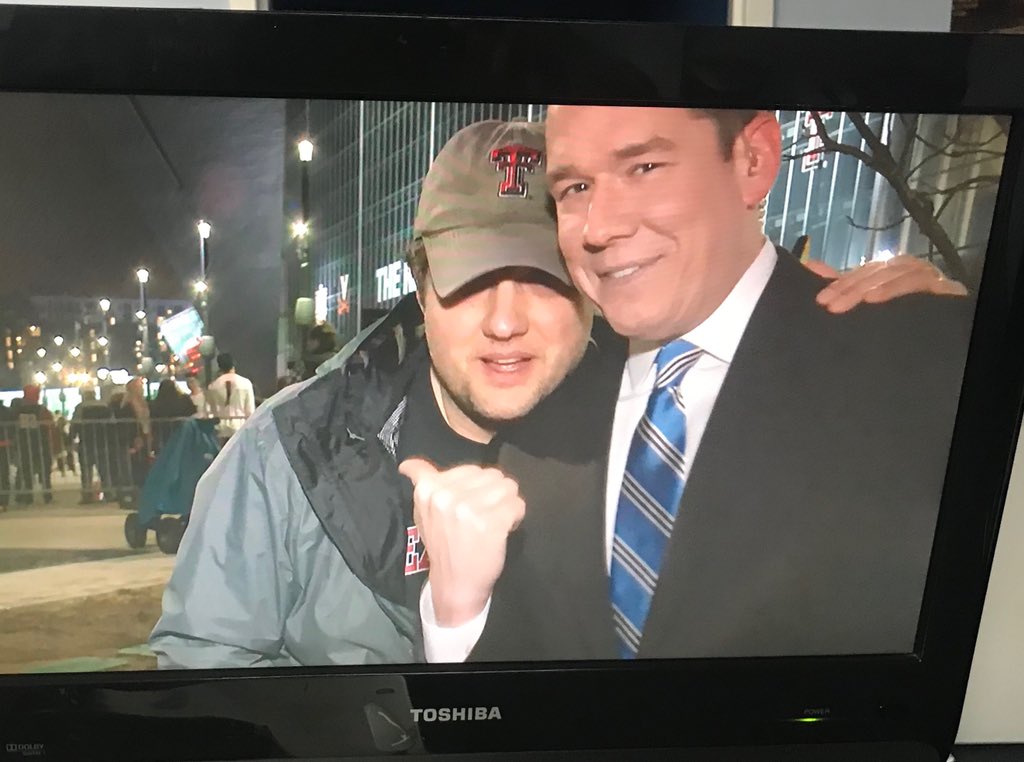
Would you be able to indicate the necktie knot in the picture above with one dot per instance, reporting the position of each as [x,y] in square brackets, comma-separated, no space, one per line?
[673,360]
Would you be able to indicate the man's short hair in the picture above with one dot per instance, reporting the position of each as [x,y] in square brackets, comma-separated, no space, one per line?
[729,123]
[416,258]
[225,362]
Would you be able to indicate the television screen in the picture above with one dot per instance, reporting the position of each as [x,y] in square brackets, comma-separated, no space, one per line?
[808,432]
[564,385]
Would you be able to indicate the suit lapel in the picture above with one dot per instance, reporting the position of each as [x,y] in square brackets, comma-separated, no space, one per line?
[753,367]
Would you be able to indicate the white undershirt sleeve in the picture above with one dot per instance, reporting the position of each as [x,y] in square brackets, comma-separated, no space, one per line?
[448,644]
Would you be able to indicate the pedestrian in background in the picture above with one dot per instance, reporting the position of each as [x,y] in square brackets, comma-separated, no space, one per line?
[37,441]
[92,425]
[65,455]
[133,436]
[231,397]
[198,397]
[6,447]
[167,411]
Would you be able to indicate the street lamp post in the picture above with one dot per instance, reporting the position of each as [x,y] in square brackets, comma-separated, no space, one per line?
[201,289]
[142,274]
[205,229]
[104,341]
[301,229]
[143,277]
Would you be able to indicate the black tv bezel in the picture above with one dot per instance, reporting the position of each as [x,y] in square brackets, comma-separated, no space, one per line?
[906,697]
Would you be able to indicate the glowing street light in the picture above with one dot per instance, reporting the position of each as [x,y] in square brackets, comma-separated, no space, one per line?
[103,341]
[143,275]
[39,377]
[300,228]
[102,373]
[140,314]
[204,228]
[75,352]
[305,150]
[58,340]
[41,352]
[56,367]
[200,287]
[104,305]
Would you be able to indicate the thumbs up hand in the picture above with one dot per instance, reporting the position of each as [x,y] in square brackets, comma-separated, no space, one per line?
[465,515]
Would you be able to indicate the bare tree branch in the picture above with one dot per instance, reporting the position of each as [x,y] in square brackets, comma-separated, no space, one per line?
[833,145]
[920,208]
[953,140]
[909,136]
[787,156]
[942,207]
[815,152]
[881,158]
[890,226]
[924,202]
[952,155]
[971,182]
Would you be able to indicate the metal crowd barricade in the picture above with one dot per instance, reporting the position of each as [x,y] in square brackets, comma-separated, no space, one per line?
[105,458]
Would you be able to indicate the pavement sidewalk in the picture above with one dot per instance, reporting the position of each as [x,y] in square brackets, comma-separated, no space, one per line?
[81,580]
[65,551]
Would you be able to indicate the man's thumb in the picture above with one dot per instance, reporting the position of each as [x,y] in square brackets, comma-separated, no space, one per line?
[417,469]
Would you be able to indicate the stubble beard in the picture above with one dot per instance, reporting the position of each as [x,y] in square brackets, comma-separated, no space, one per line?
[461,394]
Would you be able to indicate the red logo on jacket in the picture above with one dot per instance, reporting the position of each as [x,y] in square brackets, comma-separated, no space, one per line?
[416,559]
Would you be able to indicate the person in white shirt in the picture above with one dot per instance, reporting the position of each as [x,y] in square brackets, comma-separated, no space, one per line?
[804,528]
[230,397]
[198,397]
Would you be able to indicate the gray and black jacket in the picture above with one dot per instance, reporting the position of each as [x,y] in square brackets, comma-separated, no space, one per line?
[296,545]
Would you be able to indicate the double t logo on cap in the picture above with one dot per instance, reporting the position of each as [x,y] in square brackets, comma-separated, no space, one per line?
[515,161]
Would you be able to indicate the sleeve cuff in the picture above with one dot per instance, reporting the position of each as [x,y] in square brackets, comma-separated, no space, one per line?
[448,644]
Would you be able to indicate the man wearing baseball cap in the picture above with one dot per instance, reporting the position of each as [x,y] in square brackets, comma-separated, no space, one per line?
[301,547]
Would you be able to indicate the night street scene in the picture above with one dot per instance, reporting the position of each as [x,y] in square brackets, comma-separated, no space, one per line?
[167,264]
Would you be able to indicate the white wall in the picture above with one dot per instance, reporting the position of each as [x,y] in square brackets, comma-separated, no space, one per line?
[994,709]
[904,15]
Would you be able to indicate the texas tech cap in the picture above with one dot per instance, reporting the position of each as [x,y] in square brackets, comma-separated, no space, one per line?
[485,206]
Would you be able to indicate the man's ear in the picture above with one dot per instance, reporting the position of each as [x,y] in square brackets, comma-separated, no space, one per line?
[757,156]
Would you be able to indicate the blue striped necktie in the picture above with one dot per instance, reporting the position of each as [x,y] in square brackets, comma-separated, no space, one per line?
[652,486]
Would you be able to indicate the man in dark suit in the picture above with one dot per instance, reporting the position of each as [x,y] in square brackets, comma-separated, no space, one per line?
[749,475]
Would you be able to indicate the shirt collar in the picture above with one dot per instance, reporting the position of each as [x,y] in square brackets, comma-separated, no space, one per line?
[721,331]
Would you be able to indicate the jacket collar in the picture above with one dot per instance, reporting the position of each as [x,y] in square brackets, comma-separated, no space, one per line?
[339,435]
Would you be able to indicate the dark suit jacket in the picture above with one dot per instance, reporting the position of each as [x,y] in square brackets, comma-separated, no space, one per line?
[808,516]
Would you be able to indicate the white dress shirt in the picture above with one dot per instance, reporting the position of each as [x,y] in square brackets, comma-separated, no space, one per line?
[233,412]
[718,336]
